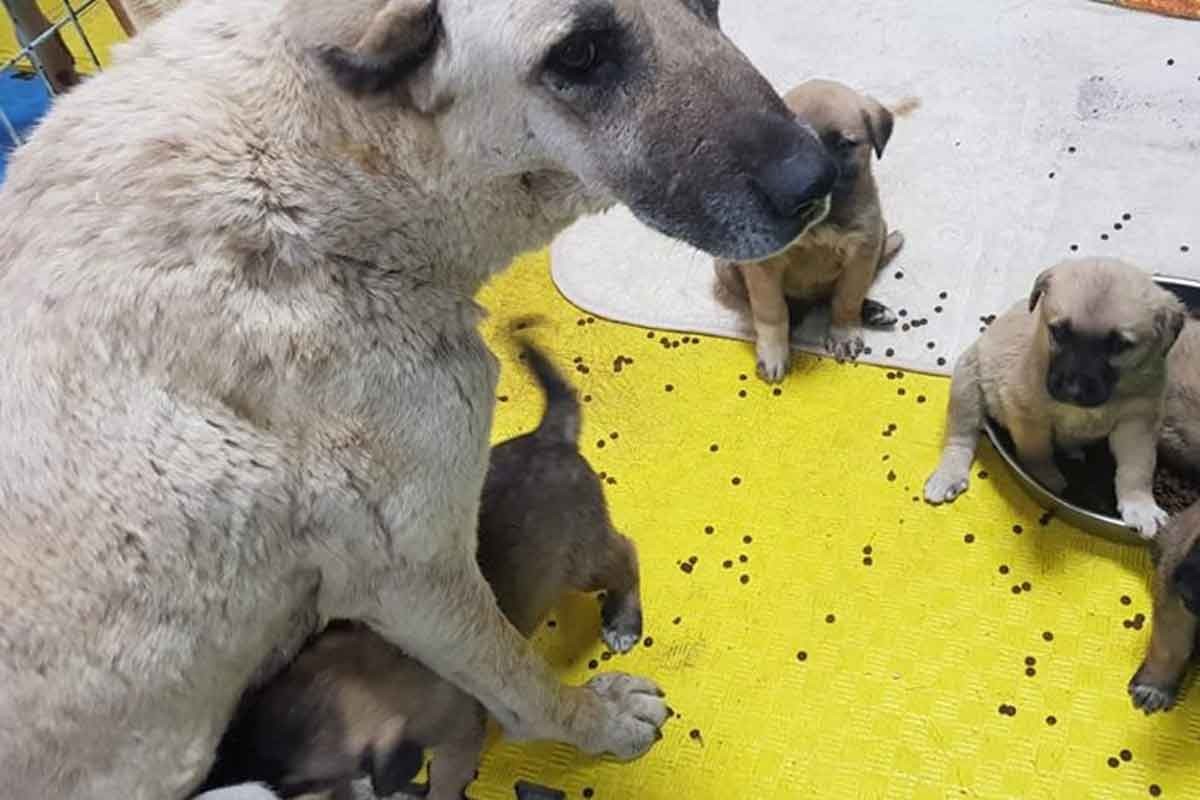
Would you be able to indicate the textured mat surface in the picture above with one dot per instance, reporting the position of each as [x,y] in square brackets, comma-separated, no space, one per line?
[819,632]
[1046,129]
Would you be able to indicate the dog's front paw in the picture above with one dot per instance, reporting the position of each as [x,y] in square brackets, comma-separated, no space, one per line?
[844,343]
[1143,515]
[945,485]
[622,626]
[627,715]
[773,358]
[1150,698]
[877,315]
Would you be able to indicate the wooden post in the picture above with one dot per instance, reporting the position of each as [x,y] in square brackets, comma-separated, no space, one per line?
[52,53]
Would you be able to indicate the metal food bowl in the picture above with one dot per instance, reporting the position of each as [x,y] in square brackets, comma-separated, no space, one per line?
[1088,519]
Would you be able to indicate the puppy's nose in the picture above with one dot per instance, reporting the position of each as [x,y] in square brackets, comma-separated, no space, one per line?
[1085,390]
[791,184]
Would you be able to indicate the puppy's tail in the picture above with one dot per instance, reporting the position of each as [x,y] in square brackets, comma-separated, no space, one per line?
[902,108]
[561,422]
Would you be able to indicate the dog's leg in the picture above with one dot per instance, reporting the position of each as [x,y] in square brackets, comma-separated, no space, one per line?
[844,340]
[443,613]
[764,286]
[1133,446]
[1034,442]
[1156,683]
[616,574]
[963,424]
[456,761]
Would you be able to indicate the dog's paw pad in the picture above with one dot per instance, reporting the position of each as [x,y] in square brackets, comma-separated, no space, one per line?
[1144,516]
[945,487]
[1151,698]
[620,640]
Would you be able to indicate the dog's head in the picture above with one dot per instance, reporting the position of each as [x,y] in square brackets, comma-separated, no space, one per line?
[643,102]
[1105,321]
[852,126]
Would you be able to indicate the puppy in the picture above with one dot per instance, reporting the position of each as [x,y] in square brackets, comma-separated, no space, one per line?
[839,257]
[352,704]
[1180,442]
[1084,359]
[1155,685]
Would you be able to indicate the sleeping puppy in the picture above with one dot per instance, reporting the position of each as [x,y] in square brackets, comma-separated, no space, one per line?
[352,704]
[1084,359]
[838,258]
[1155,685]
[1180,442]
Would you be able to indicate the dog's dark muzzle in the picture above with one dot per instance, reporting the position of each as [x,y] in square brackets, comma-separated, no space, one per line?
[1087,388]
[794,175]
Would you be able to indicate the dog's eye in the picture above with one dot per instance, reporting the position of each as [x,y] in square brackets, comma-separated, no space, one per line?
[847,143]
[1119,343]
[575,57]
[1060,332]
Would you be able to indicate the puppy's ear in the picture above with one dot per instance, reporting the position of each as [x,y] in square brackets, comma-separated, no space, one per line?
[879,122]
[1040,286]
[1168,323]
[1186,580]
[400,37]
[394,768]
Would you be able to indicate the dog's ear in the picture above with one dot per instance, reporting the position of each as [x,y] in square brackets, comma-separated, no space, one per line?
[399,38]
[879,122]
[1040,286]
[1186,580]
[1168,323]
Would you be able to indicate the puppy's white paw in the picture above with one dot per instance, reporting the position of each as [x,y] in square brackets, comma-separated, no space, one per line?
[945,485]
[844,343]
[619,641]
[773,358]
[1049,476]
[1143,515]
[1150,698]
[625,716]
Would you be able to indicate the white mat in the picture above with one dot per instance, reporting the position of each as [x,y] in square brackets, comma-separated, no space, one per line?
[1106,101]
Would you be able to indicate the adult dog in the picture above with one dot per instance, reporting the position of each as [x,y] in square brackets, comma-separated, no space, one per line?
[243,389]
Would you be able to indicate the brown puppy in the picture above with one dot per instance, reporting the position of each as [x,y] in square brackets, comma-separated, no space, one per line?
[1155,685]
[1180,443]
[1084,359]
[838,258]
[352,704]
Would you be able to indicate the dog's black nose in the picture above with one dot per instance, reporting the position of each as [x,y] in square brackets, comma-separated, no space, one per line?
[1087,391]
[792,184]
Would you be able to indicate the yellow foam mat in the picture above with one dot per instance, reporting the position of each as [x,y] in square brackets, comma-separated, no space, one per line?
[101,27]
[821,632]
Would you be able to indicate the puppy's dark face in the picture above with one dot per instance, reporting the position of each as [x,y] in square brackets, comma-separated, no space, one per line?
[1105,323]
[853,127]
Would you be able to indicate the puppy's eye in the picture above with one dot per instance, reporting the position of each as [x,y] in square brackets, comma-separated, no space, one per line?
[1119,343]
[576,57]
[847,143]
[1060,332]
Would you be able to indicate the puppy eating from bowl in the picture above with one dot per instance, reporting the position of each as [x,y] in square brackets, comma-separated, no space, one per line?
[838,258]
[351,704]
[1083,360]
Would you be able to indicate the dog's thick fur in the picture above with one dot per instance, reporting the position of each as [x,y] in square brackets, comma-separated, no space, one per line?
[352,700]
[1155,685]
[1083,360]
[244,391]
[1180,442]
[839,258]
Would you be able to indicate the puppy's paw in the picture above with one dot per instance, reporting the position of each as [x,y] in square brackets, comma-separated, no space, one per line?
[1049,476]
[945,485]
[773,358]
[1150,698]
[1143,515]
[877,315]
[623,715]
[844,343]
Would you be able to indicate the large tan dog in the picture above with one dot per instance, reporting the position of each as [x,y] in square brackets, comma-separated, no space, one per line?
[244,391]
[1155,685]
[1083,360]
[841,255]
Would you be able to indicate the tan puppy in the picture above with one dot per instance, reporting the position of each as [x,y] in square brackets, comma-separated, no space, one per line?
[1155,685]
[1180,443]
[351,702]
[1084,359]
[840,256]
